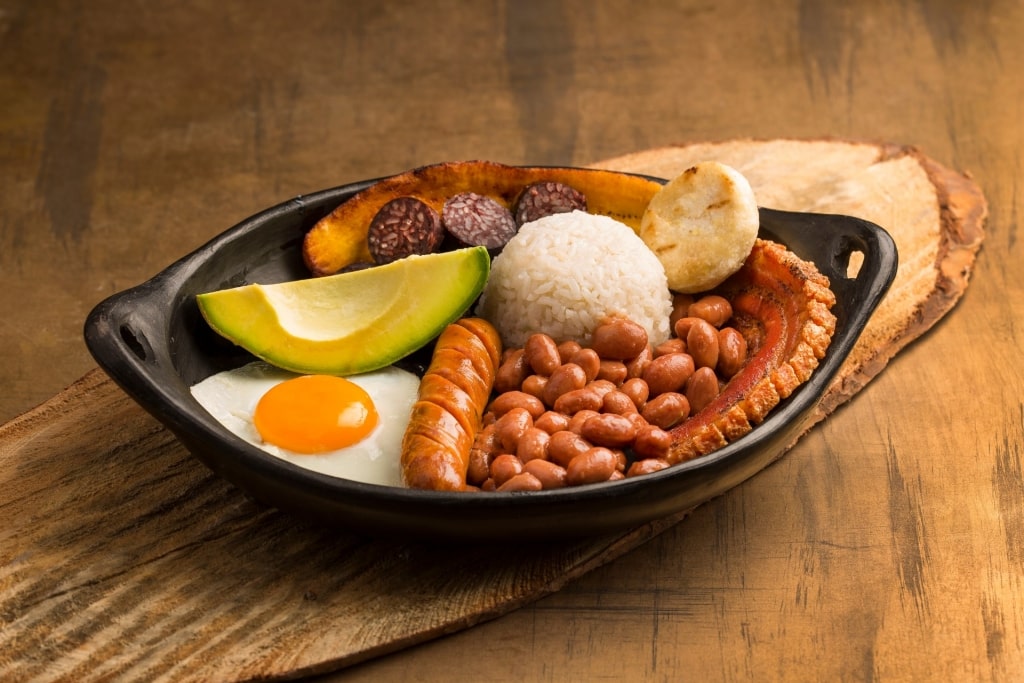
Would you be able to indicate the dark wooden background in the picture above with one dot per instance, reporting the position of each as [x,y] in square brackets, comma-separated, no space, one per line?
[132,132]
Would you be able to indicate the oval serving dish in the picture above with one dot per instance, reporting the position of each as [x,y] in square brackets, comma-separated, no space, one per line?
[152,341]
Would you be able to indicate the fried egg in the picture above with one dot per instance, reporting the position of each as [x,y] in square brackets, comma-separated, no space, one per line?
[348,427]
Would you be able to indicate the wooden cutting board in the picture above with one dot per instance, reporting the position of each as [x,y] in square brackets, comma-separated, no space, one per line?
[124,558]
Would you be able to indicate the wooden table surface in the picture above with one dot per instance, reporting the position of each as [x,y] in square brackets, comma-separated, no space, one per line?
[887,545]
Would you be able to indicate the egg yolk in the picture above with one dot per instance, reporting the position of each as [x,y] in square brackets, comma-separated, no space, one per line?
[315,414]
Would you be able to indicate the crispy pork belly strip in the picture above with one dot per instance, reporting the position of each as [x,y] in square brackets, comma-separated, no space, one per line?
[783,305]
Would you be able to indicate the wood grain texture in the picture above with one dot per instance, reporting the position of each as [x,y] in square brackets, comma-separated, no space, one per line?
[124,558]
[151,540]
[886,545]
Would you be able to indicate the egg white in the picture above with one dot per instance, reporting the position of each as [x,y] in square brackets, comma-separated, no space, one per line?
[231,397]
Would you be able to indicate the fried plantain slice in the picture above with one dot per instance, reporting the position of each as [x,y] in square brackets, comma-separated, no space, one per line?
[339,239]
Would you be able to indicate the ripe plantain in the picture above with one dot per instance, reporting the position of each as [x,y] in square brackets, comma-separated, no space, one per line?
[339,239]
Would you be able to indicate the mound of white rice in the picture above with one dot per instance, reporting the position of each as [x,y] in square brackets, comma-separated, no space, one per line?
[563,274]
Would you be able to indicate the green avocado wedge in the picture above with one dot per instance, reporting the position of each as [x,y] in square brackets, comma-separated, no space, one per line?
[350,323]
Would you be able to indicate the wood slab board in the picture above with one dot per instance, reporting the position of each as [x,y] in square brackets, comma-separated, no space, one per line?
[123,558]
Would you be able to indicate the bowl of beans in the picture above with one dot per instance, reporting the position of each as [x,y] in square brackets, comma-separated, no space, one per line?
[569,415]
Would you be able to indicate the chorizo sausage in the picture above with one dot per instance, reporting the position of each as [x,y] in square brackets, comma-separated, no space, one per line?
[449,408]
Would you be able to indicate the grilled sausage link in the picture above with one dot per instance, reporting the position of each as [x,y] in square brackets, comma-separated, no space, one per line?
[452,397]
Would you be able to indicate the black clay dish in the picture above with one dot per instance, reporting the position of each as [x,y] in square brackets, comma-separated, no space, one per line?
[152,341]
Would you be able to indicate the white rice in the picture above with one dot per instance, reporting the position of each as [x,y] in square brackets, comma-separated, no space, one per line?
[563,274]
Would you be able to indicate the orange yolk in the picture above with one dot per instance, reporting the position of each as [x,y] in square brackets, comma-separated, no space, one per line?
[314,414]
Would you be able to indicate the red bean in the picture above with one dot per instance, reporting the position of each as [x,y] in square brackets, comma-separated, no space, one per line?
[524,481]
[576,400]
[563,379]
[651,442]
[534,385]
[533,445]
[517,399]
[577,420]
[589,361]
[612,370]
[552,421]
[621,460]
[646,467]
[550,475]
[637,419]
[732,351]
[637,390]
[702,389]
[567,349]
[541,354]
[619,339]
[666,410]
[609,430]
[683,325]
[504,467]
[638,365]
[590,467]
[510,428]
[601,387]
[680,305]
[712,308]
[669,372]
[512,372]
[617,402]
[702,344]
[566,445]
[673,345]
